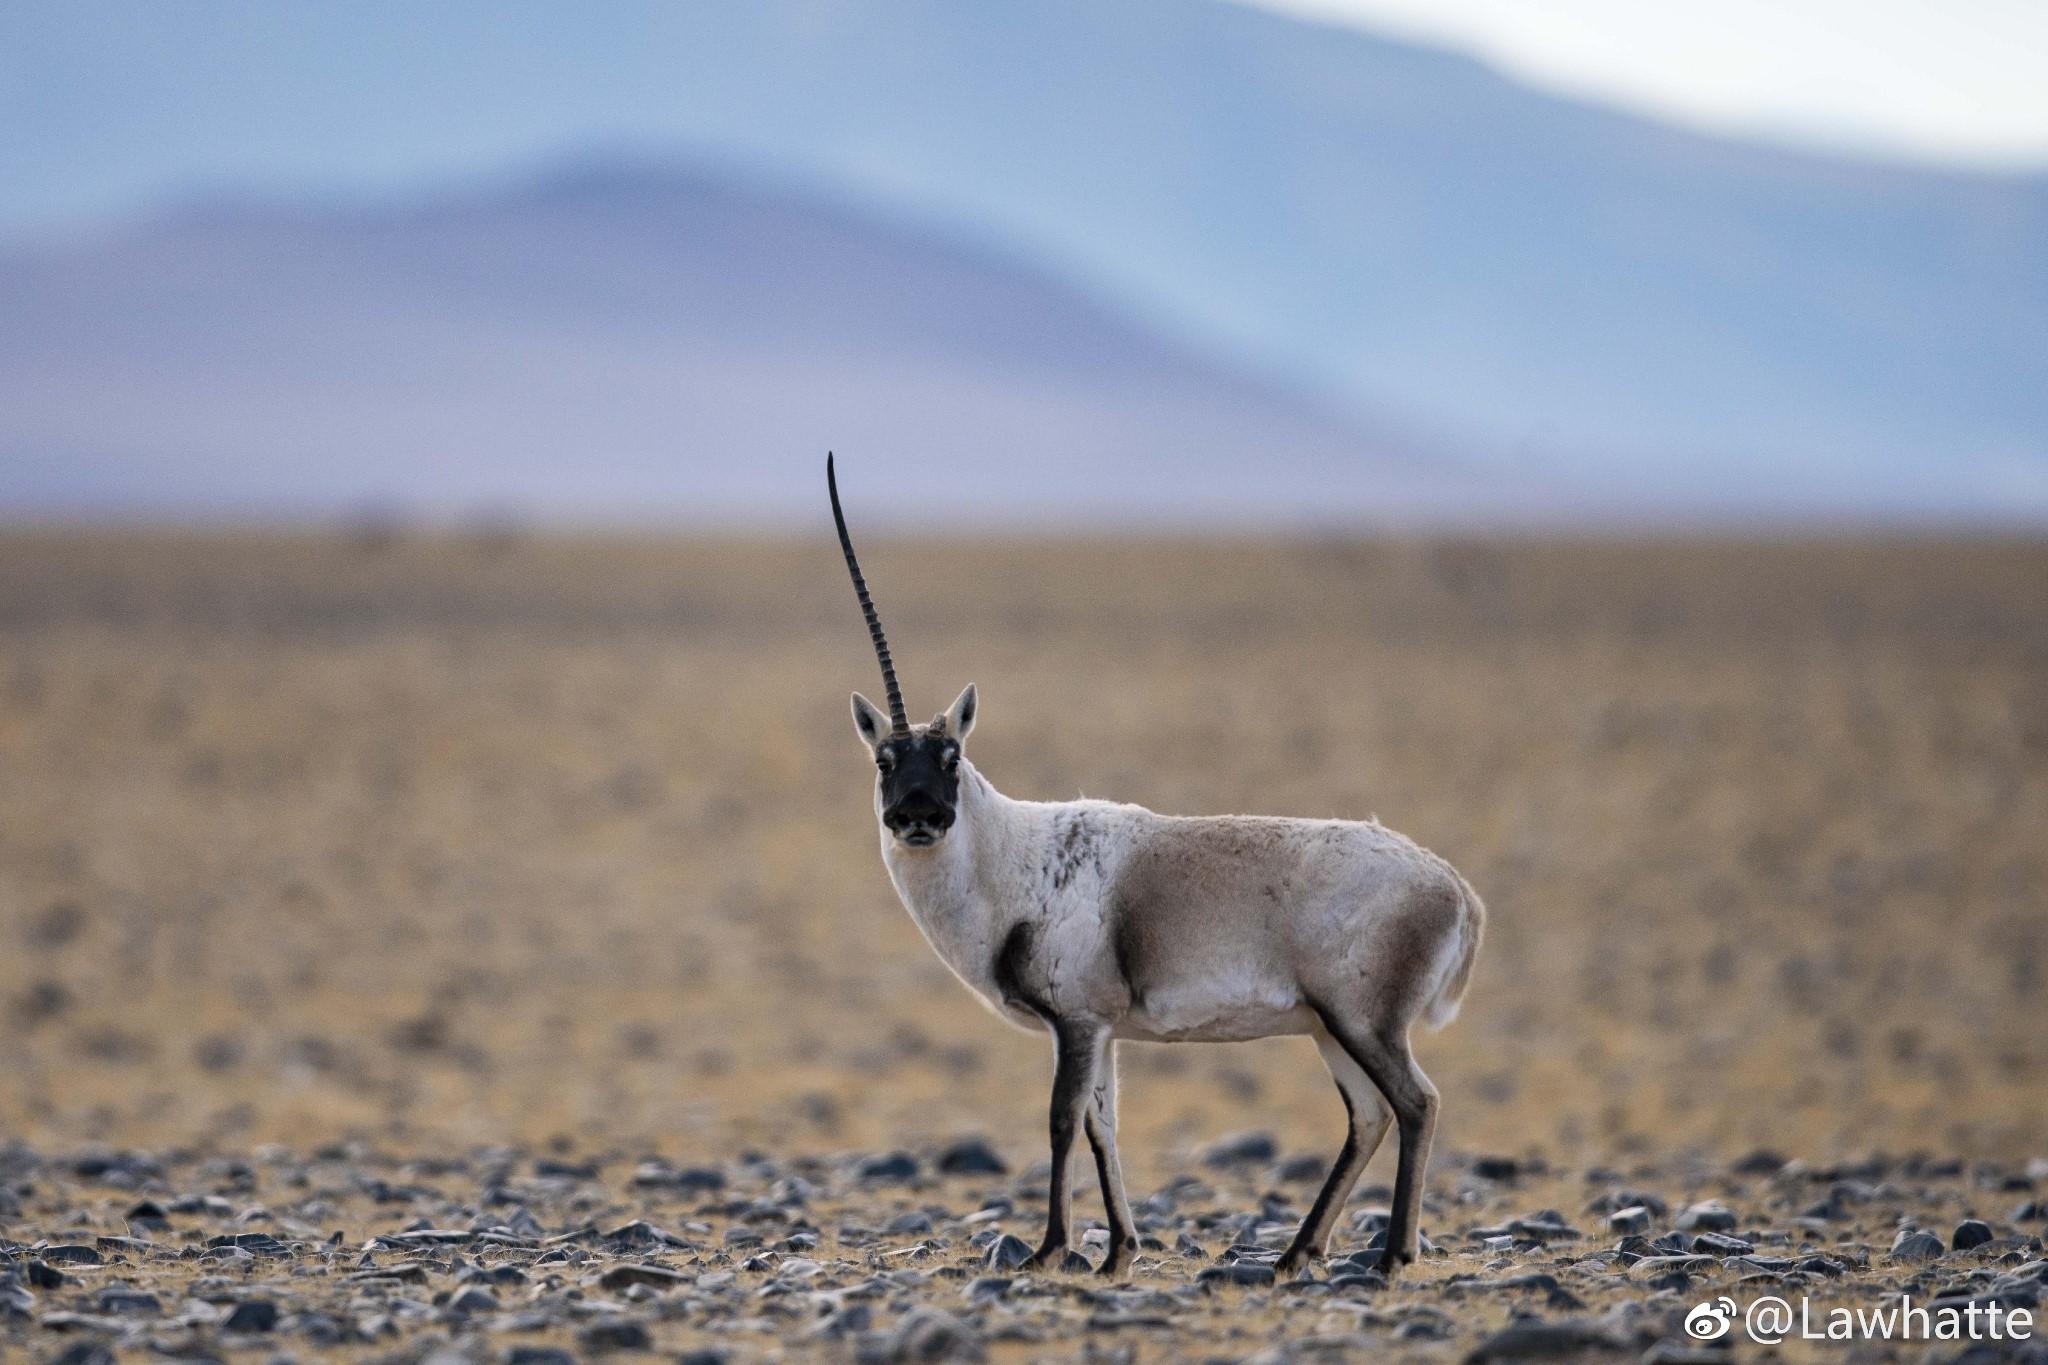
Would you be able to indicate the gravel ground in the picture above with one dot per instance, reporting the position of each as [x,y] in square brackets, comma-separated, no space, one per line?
[504,1256]
[386,902]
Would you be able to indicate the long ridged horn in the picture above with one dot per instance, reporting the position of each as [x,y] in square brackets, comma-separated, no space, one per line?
[899,723]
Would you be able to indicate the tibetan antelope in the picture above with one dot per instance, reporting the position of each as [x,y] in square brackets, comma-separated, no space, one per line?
[1094,921]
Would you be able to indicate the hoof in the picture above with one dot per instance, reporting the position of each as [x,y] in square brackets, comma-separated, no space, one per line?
[1294,1263]
[1057,1259]
[1372,1261]
[1391,1262]
[1116,1265]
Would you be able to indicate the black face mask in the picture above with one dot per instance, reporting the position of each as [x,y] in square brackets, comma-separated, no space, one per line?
[920,786]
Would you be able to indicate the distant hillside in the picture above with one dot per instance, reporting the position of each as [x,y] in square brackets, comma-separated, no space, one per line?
[616,342]
[1596,305]
[1556,286]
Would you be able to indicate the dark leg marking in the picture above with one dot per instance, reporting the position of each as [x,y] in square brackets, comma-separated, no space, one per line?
[1305,1244]
[1008,973]
[1083,1097]
[1366,1120]
[1073,1078]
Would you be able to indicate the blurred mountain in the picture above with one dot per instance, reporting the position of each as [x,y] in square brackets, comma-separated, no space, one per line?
[1575,300]
[611,341]
[1555,287]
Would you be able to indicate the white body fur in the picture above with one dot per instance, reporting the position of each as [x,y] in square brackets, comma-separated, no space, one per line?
[968,892]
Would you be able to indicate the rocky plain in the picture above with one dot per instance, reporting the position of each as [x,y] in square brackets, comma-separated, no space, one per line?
[473,946]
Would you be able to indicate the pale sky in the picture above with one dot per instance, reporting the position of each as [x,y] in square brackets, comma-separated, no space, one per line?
[1949,80]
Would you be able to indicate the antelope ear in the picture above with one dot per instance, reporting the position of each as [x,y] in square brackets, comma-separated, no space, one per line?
[869,721]
[959,716]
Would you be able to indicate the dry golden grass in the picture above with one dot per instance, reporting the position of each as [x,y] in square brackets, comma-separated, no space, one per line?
[447,841]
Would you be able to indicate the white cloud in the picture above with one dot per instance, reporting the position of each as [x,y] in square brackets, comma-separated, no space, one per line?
[1952,80]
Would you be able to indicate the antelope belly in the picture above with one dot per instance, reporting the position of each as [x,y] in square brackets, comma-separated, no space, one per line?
[1217,1012]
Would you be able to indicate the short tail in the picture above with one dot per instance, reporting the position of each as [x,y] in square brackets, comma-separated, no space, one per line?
[1454,969]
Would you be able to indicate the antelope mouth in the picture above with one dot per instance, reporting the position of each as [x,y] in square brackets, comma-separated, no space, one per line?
[919,838]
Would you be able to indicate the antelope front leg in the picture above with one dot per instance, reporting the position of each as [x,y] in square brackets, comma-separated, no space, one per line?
[1101,1124]
[1077,1051]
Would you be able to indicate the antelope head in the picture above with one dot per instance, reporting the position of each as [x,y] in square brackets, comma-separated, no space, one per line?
[917,769]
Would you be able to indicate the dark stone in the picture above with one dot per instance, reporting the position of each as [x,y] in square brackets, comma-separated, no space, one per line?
[475,1299]
[703,1355]
[845,1322]
[1007,1253]
[115,1166]
[55,926]
[252,1315]
[1496,1167]
[971,1156]
[1720,1244]
[84,1353]
[1565,1340]
[73,1254]
[614,1334]
[928,1335]
[43,1000]
[894,1166]
[653,1276]
[1762,1161]
[1971,1232]
[989,1288]
[1242,1149]
[654,1175]
[1709,1215]
[121,1298]
[411,1237]
[1917,1246]
[1547,1226]
[1247,1274]
[539,1355]
[1535,1279]
[44,1276]
[565,1170]
[1615,1200]
[1364,1261]
[207,1205]
[640,1235]
[1633,1219]
[1355,1281]
[1305,1168]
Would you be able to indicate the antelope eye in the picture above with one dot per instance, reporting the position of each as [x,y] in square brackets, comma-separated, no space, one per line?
[952,763]
[883,762]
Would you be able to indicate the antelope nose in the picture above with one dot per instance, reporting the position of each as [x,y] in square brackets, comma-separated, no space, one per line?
[919,810]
